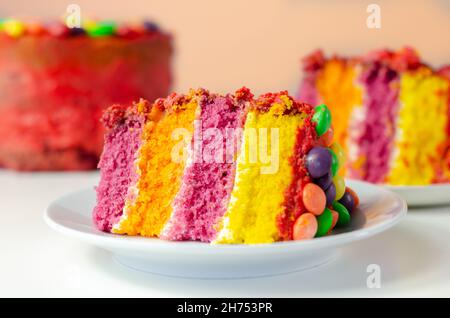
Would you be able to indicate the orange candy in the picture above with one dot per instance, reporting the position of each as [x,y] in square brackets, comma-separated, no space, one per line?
[354,195]
[335,219]
[305,227]
[34,28]
[314,199]
[327,138]
[335,216]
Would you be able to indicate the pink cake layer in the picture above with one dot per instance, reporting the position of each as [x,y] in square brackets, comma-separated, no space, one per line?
[116,164]
[207,183]
[379,78]
[378,129]
[312,65]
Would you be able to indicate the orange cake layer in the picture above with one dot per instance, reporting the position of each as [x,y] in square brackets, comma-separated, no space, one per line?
[160,176]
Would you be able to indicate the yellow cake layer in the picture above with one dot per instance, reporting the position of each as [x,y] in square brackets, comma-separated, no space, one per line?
[337,89]
[421,125]
[258,193]
[160,175]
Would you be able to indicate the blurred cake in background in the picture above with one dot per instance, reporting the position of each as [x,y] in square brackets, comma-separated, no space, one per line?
[390,112]
[55,82]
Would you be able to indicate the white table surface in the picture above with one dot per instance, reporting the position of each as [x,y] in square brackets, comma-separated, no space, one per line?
[414,256]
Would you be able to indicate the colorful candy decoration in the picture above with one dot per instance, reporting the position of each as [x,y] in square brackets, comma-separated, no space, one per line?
[324,222]
[339,152]
[305,227]
[322,118]
[314,199]
[354,196]
[339,183]
[15,28]
[327,138]
[77,31]
[327,200]
[325,181]
[318,162]
[127,32]
[344,215]
[330,194]
[35,29]
[101,29]
[348,201]
[58,29]
[335,219]
[150,26]
[334,163]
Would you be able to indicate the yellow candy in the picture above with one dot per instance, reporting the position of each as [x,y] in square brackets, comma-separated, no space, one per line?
[339,183]
[88,23]
[337,149]
[13,28]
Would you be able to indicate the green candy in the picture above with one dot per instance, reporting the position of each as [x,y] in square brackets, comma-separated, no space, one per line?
[322,118]
[324,222]
[334,162]
[101,29]
[344,216]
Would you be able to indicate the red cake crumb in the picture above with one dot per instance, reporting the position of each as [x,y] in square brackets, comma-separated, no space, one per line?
[113,116]
[293,206]
[264,103]
[243,94]
[314,61]
[401,60]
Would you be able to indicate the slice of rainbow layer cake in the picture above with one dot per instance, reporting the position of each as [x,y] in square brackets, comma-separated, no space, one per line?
[226,169]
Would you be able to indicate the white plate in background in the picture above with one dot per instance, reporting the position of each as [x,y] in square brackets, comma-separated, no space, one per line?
[379,210]
[426,195]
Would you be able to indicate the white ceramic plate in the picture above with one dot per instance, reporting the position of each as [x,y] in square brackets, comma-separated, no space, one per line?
[435,194]
[379,210]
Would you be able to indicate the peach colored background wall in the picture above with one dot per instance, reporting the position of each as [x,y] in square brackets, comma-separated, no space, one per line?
[225,44]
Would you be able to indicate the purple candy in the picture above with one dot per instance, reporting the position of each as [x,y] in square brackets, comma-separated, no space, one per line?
[150,26]
[76,31]
[318,162]
[347,201]
[325,181]
[330,194]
